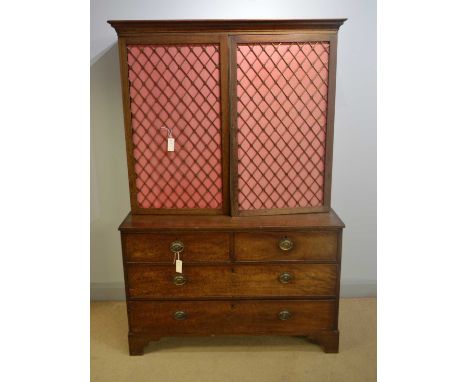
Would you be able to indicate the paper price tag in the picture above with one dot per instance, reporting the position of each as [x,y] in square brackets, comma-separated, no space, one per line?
[178,266]
[170,144]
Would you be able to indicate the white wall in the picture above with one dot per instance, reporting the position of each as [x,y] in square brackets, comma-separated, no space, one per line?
[354,171]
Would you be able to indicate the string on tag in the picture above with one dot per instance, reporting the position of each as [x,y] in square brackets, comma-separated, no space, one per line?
[169,131]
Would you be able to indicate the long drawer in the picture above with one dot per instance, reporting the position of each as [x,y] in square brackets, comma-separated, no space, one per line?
[231,317]
[242,280]
[313,245]
[156,247]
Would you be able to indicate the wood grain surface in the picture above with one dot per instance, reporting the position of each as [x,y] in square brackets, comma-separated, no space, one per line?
[231,317]
[306,245]
[198,247]
[157,281]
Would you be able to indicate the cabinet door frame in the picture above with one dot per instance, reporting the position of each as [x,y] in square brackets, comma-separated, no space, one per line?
[177,39]
[331,37]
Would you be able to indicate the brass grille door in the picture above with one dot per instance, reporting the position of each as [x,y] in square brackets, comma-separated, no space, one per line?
[174,92]
[280,124]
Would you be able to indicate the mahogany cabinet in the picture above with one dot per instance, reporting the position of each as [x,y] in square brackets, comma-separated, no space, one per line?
[229,134]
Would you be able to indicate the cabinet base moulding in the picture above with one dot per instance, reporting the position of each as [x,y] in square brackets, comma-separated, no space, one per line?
[327,339]
[137,342]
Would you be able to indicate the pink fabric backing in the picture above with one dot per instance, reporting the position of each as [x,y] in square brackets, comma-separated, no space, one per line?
[176,87]
[282,116]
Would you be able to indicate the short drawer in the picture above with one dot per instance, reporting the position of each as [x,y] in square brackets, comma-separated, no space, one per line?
[314,245]
[246,280]
[231,317]
[156,247]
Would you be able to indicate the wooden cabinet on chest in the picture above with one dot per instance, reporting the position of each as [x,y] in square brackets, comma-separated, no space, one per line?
[229,133]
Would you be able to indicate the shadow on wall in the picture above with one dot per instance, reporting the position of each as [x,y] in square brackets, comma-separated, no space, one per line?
[109,188]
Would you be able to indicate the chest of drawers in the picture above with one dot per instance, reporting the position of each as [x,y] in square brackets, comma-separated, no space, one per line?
[267,275]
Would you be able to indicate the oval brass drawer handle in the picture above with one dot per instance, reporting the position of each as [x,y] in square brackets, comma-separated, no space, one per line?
[176,246]
[284,315]
[180,315]
[179,279]
[285,277]
[286,244]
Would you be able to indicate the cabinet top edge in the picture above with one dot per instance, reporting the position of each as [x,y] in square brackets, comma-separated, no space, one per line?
[142,223]
[161,26]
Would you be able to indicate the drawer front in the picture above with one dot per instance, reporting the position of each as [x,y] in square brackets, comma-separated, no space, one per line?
[156,247]
[246,280]
[231,317]
[317,245]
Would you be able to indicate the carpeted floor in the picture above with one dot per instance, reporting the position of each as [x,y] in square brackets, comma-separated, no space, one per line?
[237,359]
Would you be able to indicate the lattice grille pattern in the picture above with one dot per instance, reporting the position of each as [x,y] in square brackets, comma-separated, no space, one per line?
[176,87]
[282,116]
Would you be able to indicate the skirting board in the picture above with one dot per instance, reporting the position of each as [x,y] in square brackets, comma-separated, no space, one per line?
[116,291]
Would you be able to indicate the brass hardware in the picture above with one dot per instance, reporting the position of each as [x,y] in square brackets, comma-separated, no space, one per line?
[179,279]
[180,315]
[285,277]
[286,244]
[177,246]
[284,315]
